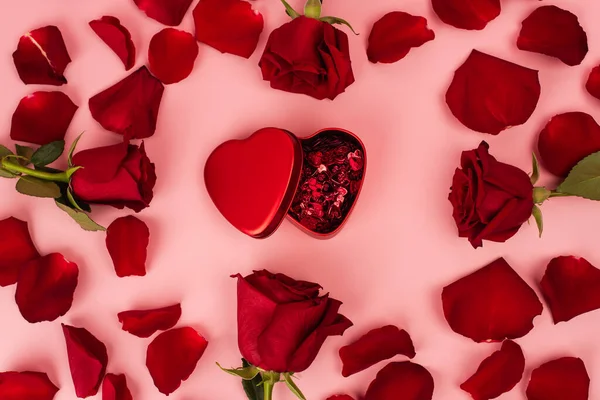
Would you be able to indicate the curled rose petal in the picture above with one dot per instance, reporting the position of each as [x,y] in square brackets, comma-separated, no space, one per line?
[115,387]
[26,386]
[497,374]
[230,26]
[42,57]
[16,249]
[117,37]
[489,94]
[145,323]
[87,360]
[167,12]
[127,241]
[130,107]
[42,117]
[172,357]
[46,287]
[571,287]
[395,34]
[401,380]
[593,83]
[564,378]
[172,54]
[492,304]
[472,14]
[340,397]
[556,33]
[377,345]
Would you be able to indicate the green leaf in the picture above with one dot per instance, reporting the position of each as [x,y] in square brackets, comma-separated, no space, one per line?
[246,373]
[584,179]
[7,174]
[254,388]
[72,201]
[539,220]
[38,188]
[292,386]
[81,218]
[535,175]
[26,152]
[290,10]
[339,21]
[5,151]
[72,149]
[48,153]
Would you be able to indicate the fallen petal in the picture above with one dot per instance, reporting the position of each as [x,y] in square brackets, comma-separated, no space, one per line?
[145,323]
[127,241]
[341,397]
[172,54]
[26,386]
[167,12]
[564,378]
[117,37]
[401,380]
[115,387]
[593,83]
[16,249]
[472,14]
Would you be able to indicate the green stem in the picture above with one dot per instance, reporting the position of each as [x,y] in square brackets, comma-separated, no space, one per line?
[268,389]
[312,9]
[46,176]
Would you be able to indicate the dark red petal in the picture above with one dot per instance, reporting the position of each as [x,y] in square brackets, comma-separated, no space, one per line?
[16,249]
[42,57]
[145,323]
[565,378]
[377,345]
[115,387]
[593,83]
[556,33]
[42,117]
[489,94]
[497,374]
[491,304]
[172,54]
[130,107]
[340,397]
[127,241]
[117,37]
[167,12]
[230,26]
[395,34]
[472,14]
[87,360]
[571,287]
[401,380]
[172,357]
[45,288]
[26,386]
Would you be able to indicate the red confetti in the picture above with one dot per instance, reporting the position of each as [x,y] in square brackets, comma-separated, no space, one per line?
[127,241]
[115,387]
[593,83]
[117,37]
[16,249]
[145,323]
[472,14]
[564,378]
[167,12]
[172,54]
[26,386]
[401,380]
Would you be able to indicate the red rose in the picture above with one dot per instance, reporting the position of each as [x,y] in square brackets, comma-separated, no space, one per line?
[308,56]
[120,175]
[282,323]
[491,199]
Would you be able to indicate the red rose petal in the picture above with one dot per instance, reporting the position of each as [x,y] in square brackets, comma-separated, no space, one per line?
[16,249]
[167,12]
[340,397]
[172,54]
[565,378]
[230,26]
[87,360]
[556,33]
[593,83]
[42,117]
[127,241]
[145,323]
[395,34]
[42,57]
[401,380]
[377,345]
[45,288]
[117,37]
[489,94]
[172,357]
[571,287]
[472,14]
[26,386]
[497,374]
[130,107]
[115,387]
[491,304]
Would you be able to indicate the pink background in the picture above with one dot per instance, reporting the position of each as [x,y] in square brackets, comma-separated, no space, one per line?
[389,263]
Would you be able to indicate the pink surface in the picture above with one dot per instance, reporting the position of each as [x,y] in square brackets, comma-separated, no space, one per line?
[390,261]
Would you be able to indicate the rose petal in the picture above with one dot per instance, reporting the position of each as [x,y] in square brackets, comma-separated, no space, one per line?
[401,380]
[145,323]
[377,345]
[87,360]
[489,94]
[172,54]
[472,14]
[42,57]
[45,288]
[115,387]
[556,33]
[340,397]
[172,357]
[167,12]
[593,83]
[117,37]
[130,107]
[395,34]
[491,304]
[16,249]
[127,241]
[42,117]
[564,378]
[497,374]
[26,386]
[230,26]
